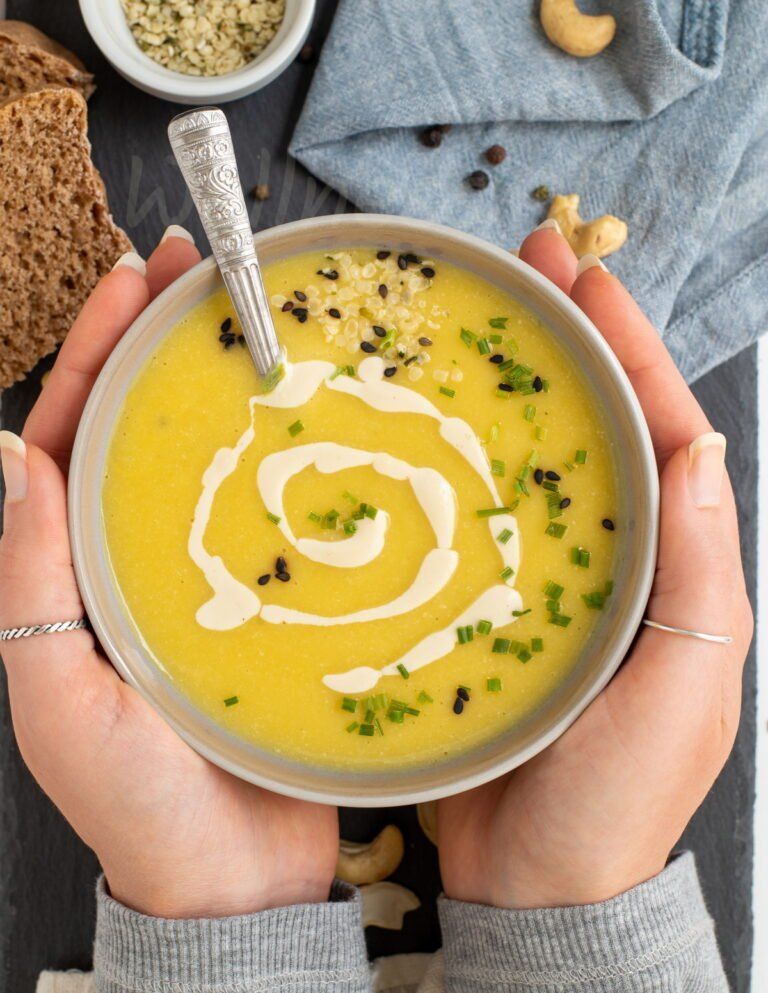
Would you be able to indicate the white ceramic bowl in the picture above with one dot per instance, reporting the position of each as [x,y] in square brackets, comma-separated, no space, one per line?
[635,554]
[108,27]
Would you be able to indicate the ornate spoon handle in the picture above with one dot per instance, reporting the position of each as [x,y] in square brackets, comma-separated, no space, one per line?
[202,144]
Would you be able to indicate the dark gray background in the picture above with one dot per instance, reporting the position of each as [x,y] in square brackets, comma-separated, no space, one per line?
[46,874]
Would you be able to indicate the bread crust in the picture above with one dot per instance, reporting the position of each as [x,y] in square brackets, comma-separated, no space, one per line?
[43,57]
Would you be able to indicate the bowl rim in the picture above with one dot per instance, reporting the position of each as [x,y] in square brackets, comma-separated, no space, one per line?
[139,69]
[418,231]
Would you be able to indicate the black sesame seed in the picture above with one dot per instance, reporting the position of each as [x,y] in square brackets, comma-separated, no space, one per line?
[288,305]
[428,272]
[263,580]
[537,384]
[383,291]
[554,476]
[334,312]
[410,257]
[281,565]
[506,388]
[402,262]
[300,312]
[462,694]
[608,524]
[283,576]
[539,476]
[303,319]
[390,370]
[226,324]
[425,342]
[496,359]
[368,346]
[379,331]
[229,343]
[410,361]
[228,337]
[241,340]
[328,273]
[478,179]
[565,502]
[458,705]
[383,254]
[300,296]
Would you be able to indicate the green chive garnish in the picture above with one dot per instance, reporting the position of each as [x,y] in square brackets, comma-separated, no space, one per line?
[296,428]
[580,557]
[350,527]
[467,337]
[352,727]
[556,530]
[447,391]
[379,728]
[403,671]
[493,685]
[412,711]
[521,613]
[537,644]
[464,634]
[349,704]
[370,510]
[504,536]
[550,487]
[580,457]
[500,646]
[483,346]
[495,339]
[396,716]
[507,573]
[484,627]
[553,590]
[231,701]
[367,730]
[560,620]
[524,655]
[349,496]
[540,434]
[529,412]
[312,516]
[493,512]
[493,434]
[498,467]
[424,697]
[274,518]
[343,370]
[499,323]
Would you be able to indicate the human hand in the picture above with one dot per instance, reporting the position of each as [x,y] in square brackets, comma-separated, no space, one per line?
[175,835]
[600,810]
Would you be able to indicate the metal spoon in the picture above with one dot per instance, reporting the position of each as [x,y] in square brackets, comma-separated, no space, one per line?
[202,144]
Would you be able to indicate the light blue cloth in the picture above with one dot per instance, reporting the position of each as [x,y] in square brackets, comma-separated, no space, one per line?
[667,129]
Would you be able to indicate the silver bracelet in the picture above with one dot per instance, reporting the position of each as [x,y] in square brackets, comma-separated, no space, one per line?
[718,639]
[10,634]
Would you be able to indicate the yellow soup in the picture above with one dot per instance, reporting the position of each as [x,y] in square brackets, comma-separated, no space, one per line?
[395,555]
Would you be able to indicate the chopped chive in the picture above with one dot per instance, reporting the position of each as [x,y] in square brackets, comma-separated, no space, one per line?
[524,655]
[349,704]
[569,466]
[397,704]
[560,620]
[512,345]
[493,685]
[312,516]
[352,727]
[495,339]
[521,613]
[483,346]
[468,337]
[580,557]
[502,395]
[498,467]
[413,711]
[343,370]
[424,697]
[553,606]
[492,512]
[466,689]
[504,536]
[537,644]
[506,573]
[464,634]
[550,487]
[329,520]
[350,527]
[580,457]
[367,730]
[231,701]
[403,671]
[540,433]
[556,530]
[529,412]
[447,391]
[396,716]
[493,434]
[369,715]
[608,587]
[349,496]
[498,323]
[484,627]
[296,428]
[500,646]
[273,517]
[379,728]
[553,590]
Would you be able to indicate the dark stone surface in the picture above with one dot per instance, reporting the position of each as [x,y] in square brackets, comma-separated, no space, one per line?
[46,874]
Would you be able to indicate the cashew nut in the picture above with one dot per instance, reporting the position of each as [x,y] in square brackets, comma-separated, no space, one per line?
[574,32]
[427,814]
[385,905]
[602,236]
[368,863]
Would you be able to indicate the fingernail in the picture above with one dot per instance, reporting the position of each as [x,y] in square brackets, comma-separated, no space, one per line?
[706,466]
[177,231]
[133,261]
[589,261]
[13,453]
[550,224]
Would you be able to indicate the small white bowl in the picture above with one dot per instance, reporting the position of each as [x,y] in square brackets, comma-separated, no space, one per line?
[107,25]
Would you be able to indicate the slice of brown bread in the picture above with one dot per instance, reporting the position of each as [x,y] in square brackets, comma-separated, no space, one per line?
[30,60]
[57,237]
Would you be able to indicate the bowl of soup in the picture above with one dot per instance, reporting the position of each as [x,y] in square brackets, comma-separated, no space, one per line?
[407,568]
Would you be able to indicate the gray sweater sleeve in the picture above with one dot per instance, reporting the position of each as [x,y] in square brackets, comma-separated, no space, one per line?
[655,938]
[311,948]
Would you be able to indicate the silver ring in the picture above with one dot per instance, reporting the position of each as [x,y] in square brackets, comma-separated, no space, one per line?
[10,634]
[718,639]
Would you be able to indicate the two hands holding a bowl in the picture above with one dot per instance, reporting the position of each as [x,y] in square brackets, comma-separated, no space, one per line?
[592,816]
